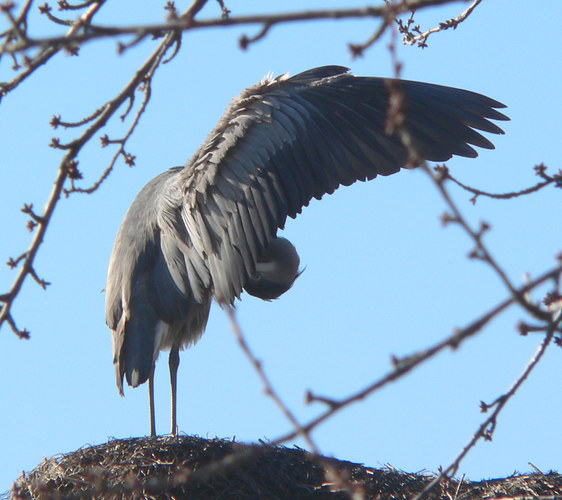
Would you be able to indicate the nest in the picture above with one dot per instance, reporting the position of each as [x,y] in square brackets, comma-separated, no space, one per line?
[197,468]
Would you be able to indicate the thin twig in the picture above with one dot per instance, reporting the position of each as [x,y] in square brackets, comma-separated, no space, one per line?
[486,429]
[333,476]
[421,38]
[481,251]
[49,50]
[556,180]
[121,151]
[358,50]
[269,390]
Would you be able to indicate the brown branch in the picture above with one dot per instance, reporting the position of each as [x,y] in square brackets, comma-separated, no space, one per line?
[245,40]
[57,122]
[186,23]
[129,160]
[22,18]
[481,251]
[22,334]
[13,263]
[224,9]
[5,314]
[421,38]
[333,476]
[46,11]
[41,282]
[28,210]
[73,149]
[15,24]
[405,365]
[268,387]
[64,5]
[486,429]
[195,8]
[358,50]
[555,179]
[49,50]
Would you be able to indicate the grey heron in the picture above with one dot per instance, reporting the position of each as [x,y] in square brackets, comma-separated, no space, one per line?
[208,230]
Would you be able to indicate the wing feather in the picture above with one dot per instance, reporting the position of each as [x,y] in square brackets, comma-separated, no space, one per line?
[290,139]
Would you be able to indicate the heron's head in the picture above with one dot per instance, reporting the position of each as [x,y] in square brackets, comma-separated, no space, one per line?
[276,270]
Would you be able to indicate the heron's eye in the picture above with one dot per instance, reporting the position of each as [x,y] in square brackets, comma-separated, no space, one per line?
[257,277]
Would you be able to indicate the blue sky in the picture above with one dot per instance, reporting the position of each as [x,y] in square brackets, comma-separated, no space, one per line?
[383,277]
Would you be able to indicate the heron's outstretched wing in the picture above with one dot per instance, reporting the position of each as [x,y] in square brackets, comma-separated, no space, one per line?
[290,139]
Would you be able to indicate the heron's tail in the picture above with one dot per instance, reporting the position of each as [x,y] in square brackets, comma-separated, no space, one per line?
[133,346]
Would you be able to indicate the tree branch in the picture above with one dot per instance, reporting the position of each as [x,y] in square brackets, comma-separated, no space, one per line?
[556,179]
[405,365]
[487,428]
[49,50]
[333,476]
[186,23]
[421,38]
[73,149]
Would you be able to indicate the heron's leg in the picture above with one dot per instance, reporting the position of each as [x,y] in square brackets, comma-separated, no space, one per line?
[174,362]
[151,403]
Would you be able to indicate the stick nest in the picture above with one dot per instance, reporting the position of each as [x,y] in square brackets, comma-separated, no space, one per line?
[197,468]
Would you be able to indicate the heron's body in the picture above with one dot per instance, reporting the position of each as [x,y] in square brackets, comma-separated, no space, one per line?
[145,299]
[208,230]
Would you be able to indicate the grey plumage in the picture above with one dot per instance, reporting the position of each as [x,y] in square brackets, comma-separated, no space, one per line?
[207,230]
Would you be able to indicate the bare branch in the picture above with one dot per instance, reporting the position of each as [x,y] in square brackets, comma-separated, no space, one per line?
[480,250]
[28,209]
[186,22]
[404,365]
[68,166]
[421,38]
[540,169]
[224,9]
[15,24]
[41,282]
[358,50]
[333,476]
[46,10]
[49,50]
[22,334]
[486,429]
[245,41]
[57,122]
[266,382]
[13,263]
[195,8]
[64,5]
